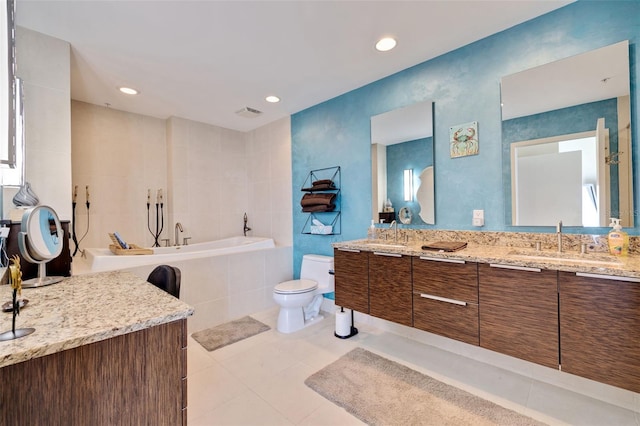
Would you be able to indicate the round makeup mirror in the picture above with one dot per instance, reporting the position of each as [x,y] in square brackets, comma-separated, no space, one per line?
[40,240]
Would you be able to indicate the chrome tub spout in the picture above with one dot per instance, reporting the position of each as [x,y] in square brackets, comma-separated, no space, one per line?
[178,228]
[246,228]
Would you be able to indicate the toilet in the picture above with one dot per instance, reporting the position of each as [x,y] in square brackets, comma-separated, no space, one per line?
[300,300]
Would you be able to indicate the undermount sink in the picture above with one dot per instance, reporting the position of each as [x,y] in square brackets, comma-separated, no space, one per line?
[385,245]
[587,259]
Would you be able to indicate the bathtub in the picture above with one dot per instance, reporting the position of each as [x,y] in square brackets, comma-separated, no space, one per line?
[101,259]
[223,280]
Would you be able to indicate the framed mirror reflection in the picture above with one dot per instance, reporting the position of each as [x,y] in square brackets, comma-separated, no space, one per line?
[566,141]
[402,166]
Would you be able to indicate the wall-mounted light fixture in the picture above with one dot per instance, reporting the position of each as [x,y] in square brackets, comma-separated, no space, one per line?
[408,185]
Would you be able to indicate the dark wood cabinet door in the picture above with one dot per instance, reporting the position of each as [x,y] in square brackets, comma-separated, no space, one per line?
[137,378]
[352,279]
[600,329]
[390,290]
[519,313]
[60,266]
[445,298]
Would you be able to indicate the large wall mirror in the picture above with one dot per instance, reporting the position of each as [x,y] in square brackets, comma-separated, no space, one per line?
[403,164]
[566,141]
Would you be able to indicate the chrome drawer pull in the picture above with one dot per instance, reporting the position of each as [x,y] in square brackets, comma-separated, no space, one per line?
[437,259]
[517,268]
[349,250]
[377,253]
[608,277]
[443,299]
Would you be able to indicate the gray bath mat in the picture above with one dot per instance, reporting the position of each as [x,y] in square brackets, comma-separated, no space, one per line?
[228,333]
[382,392]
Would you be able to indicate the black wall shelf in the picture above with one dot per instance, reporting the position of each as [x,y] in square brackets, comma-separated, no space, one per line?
[323,181]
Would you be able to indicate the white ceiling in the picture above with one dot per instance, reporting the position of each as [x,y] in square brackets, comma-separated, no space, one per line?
[204,60]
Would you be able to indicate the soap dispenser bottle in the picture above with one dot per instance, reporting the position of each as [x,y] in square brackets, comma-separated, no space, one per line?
[372,231]
[618,239]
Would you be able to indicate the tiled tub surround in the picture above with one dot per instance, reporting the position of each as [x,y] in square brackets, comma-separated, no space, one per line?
[85,309]
[512,248]
[224,288]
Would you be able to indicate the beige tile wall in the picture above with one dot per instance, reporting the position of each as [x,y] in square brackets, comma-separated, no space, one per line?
[119,155]
[210,177]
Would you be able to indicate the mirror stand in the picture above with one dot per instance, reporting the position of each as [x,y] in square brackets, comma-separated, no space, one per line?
[42,279]
[39,242]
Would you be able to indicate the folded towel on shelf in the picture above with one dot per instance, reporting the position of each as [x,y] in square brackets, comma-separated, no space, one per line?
[314,199]
[444,245]
[320,185]
[318,208]
[320,228]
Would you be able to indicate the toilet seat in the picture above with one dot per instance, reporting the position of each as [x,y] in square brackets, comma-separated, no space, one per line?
[296,287]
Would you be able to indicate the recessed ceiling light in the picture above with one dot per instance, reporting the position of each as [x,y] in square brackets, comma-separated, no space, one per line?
[385,44]
[272,99]
[128,90]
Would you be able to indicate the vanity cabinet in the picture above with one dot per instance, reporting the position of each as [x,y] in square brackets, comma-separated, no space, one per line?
[351,268]
[390,294]
[138,378]
[519,312]
[600,328]
[445,298]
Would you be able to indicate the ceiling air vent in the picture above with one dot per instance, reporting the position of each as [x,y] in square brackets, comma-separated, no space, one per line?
[248,112]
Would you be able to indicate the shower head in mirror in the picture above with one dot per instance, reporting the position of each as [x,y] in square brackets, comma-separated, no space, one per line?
[40,240]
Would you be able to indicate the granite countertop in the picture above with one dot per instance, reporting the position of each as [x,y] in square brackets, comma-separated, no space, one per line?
[85,309]
[570,261]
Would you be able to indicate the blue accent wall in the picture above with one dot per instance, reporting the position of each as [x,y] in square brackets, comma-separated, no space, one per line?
[465,86]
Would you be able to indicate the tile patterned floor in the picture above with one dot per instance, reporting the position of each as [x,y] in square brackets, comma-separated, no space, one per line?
[260,380]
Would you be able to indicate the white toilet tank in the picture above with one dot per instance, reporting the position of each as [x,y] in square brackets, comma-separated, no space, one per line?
[316,267]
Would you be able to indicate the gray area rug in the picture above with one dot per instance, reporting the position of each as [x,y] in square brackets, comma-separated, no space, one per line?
[382,392]
[228,333]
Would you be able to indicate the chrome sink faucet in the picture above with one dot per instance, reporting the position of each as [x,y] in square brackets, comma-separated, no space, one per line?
[246,228]
[178,228]
[559,233]
[394,225]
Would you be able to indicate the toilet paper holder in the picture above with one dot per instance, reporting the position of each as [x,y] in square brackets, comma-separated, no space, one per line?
[352,330]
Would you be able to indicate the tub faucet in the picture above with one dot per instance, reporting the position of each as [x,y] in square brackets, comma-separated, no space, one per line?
[246,228]
[559,232]
[178,228]
[394,225]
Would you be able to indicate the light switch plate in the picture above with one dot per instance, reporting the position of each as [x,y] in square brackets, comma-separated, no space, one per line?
[478,218]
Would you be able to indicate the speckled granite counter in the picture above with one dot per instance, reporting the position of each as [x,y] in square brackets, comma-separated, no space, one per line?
[85,309]
[509,249]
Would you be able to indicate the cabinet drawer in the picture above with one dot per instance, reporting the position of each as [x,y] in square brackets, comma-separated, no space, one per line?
[352,279]
[446,279]
[455,321]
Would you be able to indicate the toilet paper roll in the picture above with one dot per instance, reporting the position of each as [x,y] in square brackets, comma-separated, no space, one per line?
[343,323]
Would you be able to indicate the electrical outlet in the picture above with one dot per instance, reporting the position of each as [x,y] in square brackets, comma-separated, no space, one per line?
[4,232]
[478,218]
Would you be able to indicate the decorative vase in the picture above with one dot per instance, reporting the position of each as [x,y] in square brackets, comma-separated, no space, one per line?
[25,197]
